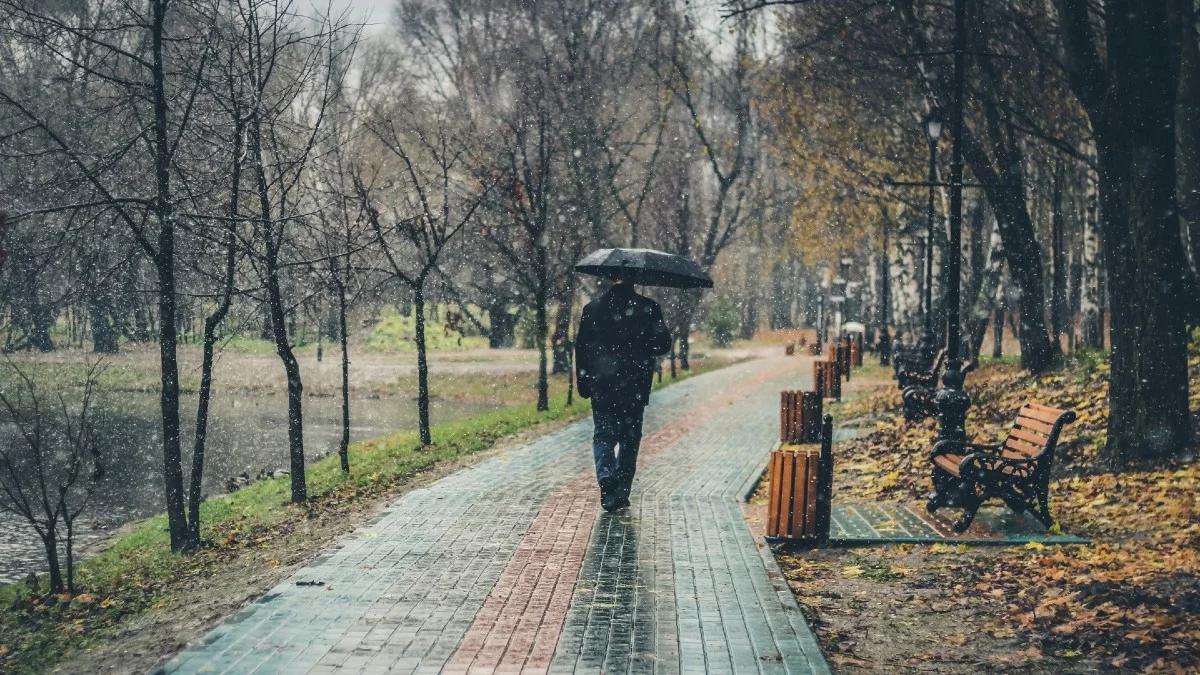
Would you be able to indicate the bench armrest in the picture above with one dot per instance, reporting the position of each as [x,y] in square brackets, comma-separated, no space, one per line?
[962,448]
[989,460]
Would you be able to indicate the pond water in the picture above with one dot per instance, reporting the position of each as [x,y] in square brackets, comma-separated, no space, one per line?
[247,434]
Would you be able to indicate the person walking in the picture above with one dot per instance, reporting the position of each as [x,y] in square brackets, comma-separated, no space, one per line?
[620,334]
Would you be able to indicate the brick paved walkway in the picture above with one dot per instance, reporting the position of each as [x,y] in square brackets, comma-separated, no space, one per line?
[509,565]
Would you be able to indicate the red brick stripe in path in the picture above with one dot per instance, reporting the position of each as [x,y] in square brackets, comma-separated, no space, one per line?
[521,621]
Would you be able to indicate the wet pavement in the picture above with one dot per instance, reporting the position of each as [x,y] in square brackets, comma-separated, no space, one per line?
[510,566]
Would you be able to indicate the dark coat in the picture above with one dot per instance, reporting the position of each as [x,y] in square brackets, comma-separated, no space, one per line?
[620,334]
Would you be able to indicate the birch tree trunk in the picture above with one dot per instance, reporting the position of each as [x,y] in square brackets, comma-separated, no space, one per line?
[1090,299]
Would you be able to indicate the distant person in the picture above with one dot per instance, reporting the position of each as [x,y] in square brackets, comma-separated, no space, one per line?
[619,336]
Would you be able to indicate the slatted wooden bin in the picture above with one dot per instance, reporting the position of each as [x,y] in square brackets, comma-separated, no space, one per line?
[790,348]
[799,416]
[801,490]
[827,379]
[855,354]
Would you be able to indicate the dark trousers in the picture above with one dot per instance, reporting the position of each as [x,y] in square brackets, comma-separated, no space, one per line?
[615,441]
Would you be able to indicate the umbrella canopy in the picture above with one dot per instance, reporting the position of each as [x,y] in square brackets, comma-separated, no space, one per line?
[645,266]
[853,327]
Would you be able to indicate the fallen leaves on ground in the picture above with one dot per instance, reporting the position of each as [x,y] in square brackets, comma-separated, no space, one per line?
[1130,600]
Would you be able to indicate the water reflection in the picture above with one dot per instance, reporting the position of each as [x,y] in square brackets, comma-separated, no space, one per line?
[247,434]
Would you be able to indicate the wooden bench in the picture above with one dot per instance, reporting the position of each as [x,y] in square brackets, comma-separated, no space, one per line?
[920,400]
[1016,471]
[909,373]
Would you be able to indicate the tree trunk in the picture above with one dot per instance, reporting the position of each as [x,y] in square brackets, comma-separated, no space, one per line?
[985,297]
[211,324]
[1003,183]
[501,327]
[1135,137]
[38,317]
[1090,295]
[164,265]
[278,319]
[201,437]
[749,315]
[140,320]
[50,543]
[295,386]
[781,301]
[560,340]
[266,330]
[104,334]
[344,442]
[1023,256]
[1058,260]
[168,398]
[1074,286]
[1188,132]
[540,325]
[422,364]
[69,550]
[998,333]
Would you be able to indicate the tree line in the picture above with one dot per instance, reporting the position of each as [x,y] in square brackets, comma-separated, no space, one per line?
[1079,142]
[189,170]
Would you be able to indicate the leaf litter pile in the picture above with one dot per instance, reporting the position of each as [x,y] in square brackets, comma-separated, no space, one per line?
[1129,601]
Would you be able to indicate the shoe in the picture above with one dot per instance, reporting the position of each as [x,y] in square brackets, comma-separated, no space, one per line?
[609,502]
[613,503]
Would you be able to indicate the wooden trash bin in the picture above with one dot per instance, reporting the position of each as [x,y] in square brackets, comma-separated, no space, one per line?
[827,379]
[799,417]
[855,354]
[801,489]
[790,349]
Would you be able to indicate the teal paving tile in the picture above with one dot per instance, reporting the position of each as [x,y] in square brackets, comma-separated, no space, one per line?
[861,524]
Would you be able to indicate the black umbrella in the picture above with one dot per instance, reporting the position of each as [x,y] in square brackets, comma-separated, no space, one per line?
[645,266]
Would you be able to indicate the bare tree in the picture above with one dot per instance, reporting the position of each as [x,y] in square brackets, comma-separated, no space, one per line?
[291,78]
[157,77]
[437,204]
[49,472]
[717,104]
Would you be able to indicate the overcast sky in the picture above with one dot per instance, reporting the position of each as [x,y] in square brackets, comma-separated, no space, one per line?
[376,12]
[379,12]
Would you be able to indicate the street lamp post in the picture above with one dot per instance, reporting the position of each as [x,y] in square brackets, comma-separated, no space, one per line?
[951,400]
[933,132]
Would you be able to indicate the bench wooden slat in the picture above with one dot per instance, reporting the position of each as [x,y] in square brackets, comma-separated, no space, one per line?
[1029,436]
[948,463]
[1035,425]
[1040,413]
[1023,448]
[1058,412]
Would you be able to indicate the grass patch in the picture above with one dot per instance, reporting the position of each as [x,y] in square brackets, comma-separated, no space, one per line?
[395,333]
[138,574]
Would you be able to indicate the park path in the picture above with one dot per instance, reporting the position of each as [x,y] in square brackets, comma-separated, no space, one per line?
[510,566]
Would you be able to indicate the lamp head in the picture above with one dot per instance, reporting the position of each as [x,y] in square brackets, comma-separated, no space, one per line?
[933,127]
